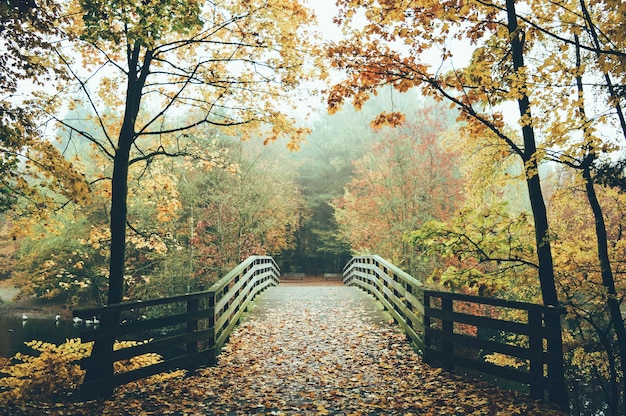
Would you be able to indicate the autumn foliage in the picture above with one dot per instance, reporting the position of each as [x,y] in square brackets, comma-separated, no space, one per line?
[51,374]
[536,86]
[122,178]
[405,179]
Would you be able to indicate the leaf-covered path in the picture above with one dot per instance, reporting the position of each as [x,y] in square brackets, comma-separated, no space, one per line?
[314,350]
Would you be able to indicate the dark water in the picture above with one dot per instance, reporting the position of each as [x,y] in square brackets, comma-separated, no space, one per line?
[15,331]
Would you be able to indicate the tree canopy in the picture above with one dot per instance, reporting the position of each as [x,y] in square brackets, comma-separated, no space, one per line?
[28,32]
[159,78]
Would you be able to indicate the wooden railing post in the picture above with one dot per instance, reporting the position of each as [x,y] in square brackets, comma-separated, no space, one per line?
[103,369]
[192,326]
[557,389]
[535,343]
[211,324]
[447,325]
[427,339]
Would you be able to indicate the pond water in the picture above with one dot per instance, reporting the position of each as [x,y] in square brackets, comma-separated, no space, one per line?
[15,331]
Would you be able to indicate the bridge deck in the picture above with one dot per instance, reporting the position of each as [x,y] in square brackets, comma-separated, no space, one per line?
[324,348]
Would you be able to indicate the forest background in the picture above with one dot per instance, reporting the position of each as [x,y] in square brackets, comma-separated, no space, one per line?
[434,173]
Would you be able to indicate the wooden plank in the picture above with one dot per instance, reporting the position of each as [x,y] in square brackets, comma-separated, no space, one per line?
[508,373]
[228,321]
[416,301]
[247,279]
[182,362]
[536,345]
[367,286]
[493,301]
[116,332]
[410,332]
[254,275]
[401,273]
[224,281]
[406,314]
[361,277]
[396,286]
[223,317]
[481,321]
[149,347]
[230,318]
[415,338]
[489,345]
[88,313]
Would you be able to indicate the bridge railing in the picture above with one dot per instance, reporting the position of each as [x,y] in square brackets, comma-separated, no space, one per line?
[456,330]
[400,293]
[454,321]
[191,334]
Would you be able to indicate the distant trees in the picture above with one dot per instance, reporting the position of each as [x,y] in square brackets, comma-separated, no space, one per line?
[321,169]
[404,179]
[336,154]
[253,210]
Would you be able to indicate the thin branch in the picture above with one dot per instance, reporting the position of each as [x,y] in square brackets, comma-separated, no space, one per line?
[83,87]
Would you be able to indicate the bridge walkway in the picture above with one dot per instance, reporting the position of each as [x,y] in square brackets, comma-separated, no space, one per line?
[324,348]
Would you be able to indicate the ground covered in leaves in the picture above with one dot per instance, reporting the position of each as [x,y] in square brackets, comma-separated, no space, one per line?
[310,350]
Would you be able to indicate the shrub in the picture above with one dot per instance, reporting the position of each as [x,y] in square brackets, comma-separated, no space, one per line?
[54,373]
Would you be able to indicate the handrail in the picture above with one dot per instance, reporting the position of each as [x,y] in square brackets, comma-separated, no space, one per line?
[400,293]
[207,319]
[540,365]
[437,324]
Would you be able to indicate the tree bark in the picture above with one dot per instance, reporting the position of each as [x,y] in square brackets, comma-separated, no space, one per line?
[119,194]
[608,280]
[119,187]
[533,182]
[531,166]
[558,394]
[607,277]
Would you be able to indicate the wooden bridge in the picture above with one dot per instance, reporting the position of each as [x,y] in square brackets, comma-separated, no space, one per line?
[446,330]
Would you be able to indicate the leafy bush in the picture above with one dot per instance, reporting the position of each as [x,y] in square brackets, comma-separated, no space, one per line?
[54,373]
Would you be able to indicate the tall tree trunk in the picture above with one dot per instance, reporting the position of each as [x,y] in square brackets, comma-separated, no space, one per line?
[608,281]
[533,182]
[558,393]
[119,195]
[119,186]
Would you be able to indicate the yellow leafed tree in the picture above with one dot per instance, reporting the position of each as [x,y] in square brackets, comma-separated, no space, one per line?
[158,77]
